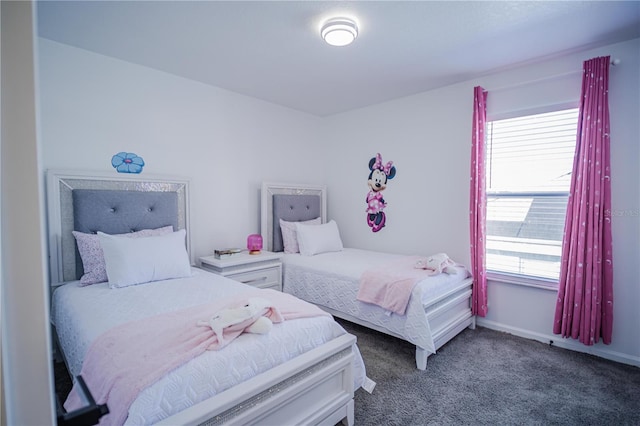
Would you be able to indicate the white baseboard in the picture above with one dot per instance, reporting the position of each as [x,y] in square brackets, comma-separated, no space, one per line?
[561,342]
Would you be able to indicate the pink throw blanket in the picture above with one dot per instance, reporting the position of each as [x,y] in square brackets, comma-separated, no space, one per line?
[128,358]
[390,285]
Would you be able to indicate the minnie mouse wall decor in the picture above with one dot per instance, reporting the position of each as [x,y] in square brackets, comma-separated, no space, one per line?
[379,175]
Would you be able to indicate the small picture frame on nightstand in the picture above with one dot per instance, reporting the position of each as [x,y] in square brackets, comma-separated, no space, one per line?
[224,253]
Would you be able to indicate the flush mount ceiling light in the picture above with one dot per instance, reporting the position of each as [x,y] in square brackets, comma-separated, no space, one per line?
[339,31]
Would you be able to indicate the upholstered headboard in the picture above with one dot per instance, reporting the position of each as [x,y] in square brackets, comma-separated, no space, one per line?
[118,212]
[292,203]
[292,208]
[107,203]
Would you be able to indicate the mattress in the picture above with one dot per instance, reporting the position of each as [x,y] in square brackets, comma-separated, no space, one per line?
[332,280]
[81,314]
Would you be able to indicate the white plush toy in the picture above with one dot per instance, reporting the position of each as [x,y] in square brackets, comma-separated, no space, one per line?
[437,264]
[248,318]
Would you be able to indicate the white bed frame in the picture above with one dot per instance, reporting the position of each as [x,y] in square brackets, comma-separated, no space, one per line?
[448,315]
[316,388]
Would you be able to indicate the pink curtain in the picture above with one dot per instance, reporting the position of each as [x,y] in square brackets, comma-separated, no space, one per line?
[584,309]
[478,202]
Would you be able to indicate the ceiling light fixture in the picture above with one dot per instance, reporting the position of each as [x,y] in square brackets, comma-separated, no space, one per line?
[339,31]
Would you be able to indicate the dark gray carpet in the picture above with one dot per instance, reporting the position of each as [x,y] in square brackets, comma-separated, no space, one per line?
[486,377]
[62,381]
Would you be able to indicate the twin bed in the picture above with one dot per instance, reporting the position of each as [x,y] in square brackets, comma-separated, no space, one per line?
[439,307]
[303,371]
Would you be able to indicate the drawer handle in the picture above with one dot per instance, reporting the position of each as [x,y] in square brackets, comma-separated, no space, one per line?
[256,281]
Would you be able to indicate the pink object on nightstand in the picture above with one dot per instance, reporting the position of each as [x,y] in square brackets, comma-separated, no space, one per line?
[254,243]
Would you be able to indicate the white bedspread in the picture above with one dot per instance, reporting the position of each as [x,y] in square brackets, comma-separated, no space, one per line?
[81,314]
[332,280]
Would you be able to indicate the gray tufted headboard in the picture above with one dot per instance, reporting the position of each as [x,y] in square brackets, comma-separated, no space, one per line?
[119,212]
[292,208]
[292,203]
[107,203]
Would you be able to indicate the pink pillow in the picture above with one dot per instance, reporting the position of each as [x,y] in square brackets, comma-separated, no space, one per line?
[290,235]
[93,257]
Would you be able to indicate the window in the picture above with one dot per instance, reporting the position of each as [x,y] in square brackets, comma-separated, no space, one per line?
[529,163]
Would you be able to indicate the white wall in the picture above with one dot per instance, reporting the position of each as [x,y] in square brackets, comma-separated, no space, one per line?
[227,144]
[26,367]
[428,137]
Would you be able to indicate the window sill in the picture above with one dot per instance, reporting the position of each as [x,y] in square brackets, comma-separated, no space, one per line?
[541,283]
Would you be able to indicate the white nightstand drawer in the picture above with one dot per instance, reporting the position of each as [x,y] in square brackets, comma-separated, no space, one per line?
[262,270]
[262,278]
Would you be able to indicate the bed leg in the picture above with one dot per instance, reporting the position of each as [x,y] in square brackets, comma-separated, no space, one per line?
[421,358]
[349,420]
[472,326]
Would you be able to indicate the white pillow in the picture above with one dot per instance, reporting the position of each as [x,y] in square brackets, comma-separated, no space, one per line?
[92,257]
[316,239]
[290,236]
[131,261]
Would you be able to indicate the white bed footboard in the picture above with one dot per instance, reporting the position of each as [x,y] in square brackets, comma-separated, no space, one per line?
[315,388]
[448,315]
[451,314]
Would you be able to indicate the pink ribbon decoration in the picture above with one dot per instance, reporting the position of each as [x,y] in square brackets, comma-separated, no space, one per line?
[378,165]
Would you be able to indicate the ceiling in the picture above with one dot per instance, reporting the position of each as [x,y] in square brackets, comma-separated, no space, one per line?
[272,50]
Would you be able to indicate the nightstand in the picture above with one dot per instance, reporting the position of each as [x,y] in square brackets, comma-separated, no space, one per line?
[262,270]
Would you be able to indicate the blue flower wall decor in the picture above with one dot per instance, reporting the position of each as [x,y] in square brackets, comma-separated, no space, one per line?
[127,162]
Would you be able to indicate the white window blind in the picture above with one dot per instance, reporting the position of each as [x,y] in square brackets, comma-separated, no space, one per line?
[529,163]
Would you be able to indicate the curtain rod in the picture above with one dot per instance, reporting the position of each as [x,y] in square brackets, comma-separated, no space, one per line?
[613,62]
